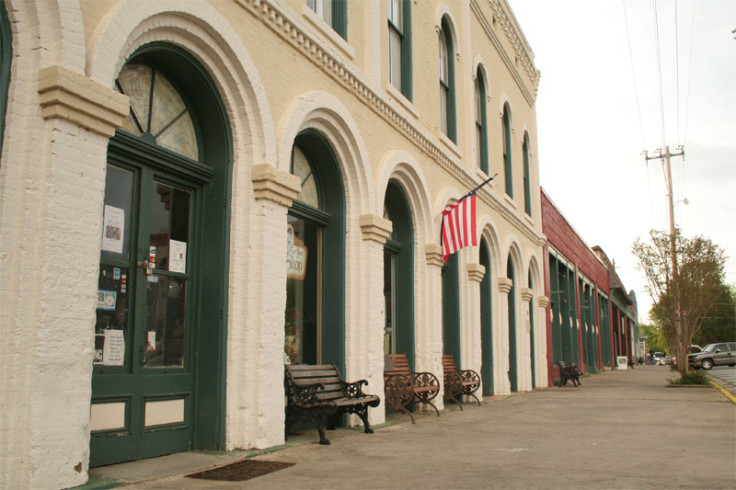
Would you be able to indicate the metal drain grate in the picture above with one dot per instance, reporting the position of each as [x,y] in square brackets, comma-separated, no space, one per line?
[241,470]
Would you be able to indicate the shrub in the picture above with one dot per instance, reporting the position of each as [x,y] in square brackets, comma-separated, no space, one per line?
[691,378]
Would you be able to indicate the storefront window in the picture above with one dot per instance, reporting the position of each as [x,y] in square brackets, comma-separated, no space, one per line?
[302,335]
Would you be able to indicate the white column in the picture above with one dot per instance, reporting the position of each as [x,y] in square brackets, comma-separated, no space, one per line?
[523,334]
[471,338]
[428,337]
[51,196]
[541,315]
[255,345]
[366,337]
[501,339]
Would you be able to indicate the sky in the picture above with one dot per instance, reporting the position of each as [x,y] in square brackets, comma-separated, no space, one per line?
[620,77]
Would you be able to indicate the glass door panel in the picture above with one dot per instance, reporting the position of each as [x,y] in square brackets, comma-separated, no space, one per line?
[166,282]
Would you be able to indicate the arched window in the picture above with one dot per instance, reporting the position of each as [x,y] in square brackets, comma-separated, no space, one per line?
[447,83]
[399,46]
[527,177]
[481,131]
[506,146]
[399,274]
[314,314]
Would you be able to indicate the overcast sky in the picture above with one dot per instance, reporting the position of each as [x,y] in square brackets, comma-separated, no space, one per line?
[606,95]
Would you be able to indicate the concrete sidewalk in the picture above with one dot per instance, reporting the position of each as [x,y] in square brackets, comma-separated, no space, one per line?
[621,429]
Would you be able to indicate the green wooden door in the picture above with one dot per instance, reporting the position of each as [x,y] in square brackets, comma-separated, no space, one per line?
[143,383]
[146,333]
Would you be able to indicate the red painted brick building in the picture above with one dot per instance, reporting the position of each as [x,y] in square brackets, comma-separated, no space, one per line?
[592,320]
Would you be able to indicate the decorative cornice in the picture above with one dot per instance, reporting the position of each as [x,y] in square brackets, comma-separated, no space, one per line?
[543,301]
[521,54]
[343,71]
[276,185]
[505,284]
[375,228]
[65,94]
[476,272]
[433,252]
[526,294]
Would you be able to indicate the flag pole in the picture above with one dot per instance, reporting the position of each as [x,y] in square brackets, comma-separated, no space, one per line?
[476,189]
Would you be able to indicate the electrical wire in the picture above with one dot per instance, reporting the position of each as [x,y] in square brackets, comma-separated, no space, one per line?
[659,72]
[633,73]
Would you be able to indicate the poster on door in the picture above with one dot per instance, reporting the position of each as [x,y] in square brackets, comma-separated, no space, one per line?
[296,256]
[113,227]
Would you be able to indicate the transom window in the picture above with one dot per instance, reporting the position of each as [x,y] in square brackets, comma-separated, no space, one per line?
[300,168]
[157,111]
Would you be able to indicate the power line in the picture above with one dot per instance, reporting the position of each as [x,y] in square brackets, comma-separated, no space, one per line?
[659,71]
[633,74]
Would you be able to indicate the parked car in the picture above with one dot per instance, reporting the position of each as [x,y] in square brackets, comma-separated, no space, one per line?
[660,359]
[720,354]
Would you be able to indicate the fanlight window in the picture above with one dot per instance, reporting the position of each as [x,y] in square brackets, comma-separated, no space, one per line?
[300,168]
[157,111]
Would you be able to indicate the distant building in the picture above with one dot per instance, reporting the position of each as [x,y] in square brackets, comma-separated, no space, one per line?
[592,320]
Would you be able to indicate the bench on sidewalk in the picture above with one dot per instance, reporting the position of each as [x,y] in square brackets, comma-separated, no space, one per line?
[568,373]
[404,386]
[459,382]
[317,392]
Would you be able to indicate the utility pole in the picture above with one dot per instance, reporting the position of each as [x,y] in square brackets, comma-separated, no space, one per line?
[675,285]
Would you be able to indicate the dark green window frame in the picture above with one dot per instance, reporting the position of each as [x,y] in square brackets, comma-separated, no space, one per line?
[339,15]
[403,33]
[447,81]
[481,121]
[527,177]
[507,164]
[6,54]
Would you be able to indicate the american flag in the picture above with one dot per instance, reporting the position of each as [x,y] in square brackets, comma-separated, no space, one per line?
[458,226]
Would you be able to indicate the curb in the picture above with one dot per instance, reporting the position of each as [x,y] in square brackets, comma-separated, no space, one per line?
[723,390]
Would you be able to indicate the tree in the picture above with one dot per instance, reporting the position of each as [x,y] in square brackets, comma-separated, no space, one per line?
[655,337]
[720,324]
[683,296]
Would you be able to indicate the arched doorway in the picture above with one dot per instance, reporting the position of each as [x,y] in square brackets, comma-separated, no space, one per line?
[398,267]
[314,319]
[486,319]
[513,368]
[158,376]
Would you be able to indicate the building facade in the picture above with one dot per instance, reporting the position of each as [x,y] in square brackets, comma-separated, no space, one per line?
[592,319]
[194,193]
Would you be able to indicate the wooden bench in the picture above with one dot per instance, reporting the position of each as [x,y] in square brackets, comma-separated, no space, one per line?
[317,392]
[404,386]
[568,373]
[459,382]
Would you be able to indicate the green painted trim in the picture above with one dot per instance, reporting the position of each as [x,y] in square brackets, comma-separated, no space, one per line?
[451,108]
[507,163]
[483,129]
[486,320]
[399,211]
[6,56]
[513,360]
[527,178]
[340,17]
[406,51]
[451,308]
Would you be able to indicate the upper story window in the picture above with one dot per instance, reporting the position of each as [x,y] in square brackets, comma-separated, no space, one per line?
[158,113]
[399,45]
[447,83]
[527,177]
[481,133]
[506,138]
[333,12]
